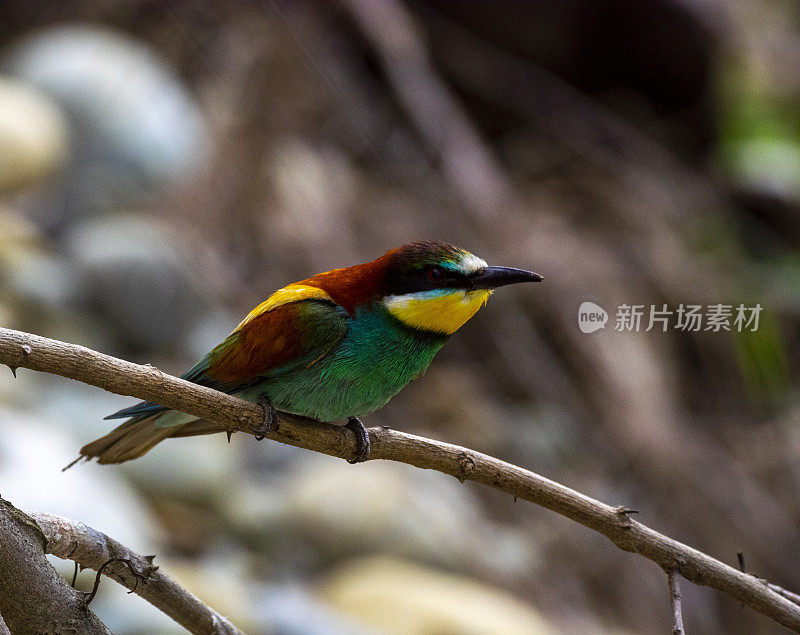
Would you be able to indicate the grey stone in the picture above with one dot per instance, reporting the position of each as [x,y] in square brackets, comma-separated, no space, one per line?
[33,137]
[121,92]
[135,278]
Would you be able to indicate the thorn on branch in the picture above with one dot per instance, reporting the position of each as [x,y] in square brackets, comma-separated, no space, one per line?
[86,459]
[740,558]
[151,568]
[742,568]
[624,514]
[136,575]
[26,350]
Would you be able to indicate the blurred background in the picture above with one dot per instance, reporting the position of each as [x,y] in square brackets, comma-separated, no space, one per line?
[164,166]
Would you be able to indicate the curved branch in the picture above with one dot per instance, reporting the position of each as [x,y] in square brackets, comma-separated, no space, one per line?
[18,349]
[93,549]
[33,597]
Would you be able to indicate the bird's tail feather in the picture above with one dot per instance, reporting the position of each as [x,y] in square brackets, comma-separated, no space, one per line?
[139,435]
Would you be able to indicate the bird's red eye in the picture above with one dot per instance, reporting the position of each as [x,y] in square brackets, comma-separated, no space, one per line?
[435,273]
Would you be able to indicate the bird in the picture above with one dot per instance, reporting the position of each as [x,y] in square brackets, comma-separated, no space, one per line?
[333,347]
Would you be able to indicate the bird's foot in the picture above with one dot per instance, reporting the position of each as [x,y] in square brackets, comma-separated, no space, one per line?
[270,421]
[362,440]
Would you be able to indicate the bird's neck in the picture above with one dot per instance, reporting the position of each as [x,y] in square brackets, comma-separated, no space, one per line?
[379,309]
[352,287]
[441,311]
[386,345]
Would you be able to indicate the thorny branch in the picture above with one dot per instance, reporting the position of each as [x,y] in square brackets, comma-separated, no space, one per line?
[18,349]
[33,597]
[94,550]
[136,574]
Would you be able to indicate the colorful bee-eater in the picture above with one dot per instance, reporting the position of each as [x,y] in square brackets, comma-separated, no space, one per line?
[336,346]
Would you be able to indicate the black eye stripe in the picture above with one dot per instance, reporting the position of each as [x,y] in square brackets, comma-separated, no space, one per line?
[424,279]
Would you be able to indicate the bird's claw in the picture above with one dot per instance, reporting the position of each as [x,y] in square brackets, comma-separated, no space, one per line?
[270,421]
[362,440]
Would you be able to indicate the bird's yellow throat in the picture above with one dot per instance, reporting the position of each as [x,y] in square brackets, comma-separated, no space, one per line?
[439,311]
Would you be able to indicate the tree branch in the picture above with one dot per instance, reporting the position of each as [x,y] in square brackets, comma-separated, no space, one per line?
[91,548]
[675,600]
[789,595]
[19,349]
[33,597]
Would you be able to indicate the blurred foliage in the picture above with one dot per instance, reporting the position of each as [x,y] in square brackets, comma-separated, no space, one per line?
[764,362]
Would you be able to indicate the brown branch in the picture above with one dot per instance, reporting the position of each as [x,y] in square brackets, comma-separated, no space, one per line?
[19,349]
[94,550]
[33,597]
[675,599]
[789,595]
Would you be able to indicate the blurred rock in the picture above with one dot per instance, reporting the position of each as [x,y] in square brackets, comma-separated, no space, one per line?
[292,610]
[17,236]
[32,452]
[134,126]
[139,110]
[37,285]
[124,613]
[380,507]
[315,188]
[33,137]
[42,278]
[220,580]
[393,596]
[132,275]
[19,241]
[188,469]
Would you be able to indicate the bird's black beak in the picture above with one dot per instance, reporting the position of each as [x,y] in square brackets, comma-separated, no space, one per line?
[493,277]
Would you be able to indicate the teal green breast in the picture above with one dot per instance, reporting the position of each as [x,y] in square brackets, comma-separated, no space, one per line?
[375,360]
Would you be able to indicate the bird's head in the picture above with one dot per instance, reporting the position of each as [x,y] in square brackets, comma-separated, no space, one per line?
[436,287]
